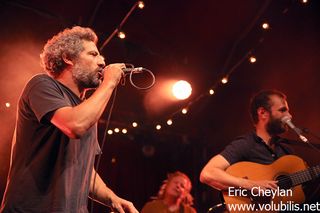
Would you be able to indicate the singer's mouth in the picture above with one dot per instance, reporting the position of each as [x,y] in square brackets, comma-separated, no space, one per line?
[99,73]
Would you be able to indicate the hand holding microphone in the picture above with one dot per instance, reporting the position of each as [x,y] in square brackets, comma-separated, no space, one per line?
[112,74]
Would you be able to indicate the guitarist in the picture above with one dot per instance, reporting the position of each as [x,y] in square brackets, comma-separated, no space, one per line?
[260,146]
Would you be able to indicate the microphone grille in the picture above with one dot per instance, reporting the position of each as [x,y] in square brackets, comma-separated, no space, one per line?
[285,119]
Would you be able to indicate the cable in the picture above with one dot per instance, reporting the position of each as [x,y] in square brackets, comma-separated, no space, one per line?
[141,70]
[102,145]
[97,164]
[119,26]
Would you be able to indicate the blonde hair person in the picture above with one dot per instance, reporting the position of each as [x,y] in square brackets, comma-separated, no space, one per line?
[173,196]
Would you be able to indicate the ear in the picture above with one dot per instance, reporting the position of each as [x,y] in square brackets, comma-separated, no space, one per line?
[263,113]
[66,59]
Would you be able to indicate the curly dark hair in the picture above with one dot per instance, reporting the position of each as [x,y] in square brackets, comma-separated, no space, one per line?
[68,43]
[188,200]
[262,99]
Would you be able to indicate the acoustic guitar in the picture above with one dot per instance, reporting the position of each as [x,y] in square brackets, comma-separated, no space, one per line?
[290,171]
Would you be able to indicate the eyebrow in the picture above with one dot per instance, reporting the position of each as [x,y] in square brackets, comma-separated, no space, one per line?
[94,51]
[283,109]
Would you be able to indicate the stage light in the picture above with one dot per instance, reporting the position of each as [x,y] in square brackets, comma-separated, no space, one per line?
[184,111]
[252,59]
[110,132]
[211,91]
[169,122]
[141,4]
[181,90]
[116,130]
[158,127]
[121,35]
[265,26]
[8,104]
[124,131]
[134,124]
[113,160]
[224,80]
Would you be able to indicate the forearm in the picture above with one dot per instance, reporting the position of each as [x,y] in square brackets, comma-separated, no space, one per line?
[219,179]
[99,191]
[75,121]
[88,112]
[214,174]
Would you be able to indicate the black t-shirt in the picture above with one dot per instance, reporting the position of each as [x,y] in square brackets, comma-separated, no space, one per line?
[49,171]
[251,147]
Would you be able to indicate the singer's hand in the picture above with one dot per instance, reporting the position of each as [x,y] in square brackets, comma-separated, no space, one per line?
[112,74]
[120,205]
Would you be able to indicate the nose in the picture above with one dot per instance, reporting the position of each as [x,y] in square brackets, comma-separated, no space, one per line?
[101,62]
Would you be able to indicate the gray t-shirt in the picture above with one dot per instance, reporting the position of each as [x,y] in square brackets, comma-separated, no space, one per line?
[50,172]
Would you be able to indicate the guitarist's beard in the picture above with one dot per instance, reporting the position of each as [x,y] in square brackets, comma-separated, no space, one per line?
[275,126]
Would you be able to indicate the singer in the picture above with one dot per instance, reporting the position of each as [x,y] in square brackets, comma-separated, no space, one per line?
[55,140]
[261,146]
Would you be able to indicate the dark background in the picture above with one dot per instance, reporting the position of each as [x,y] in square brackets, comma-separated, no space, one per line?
[197,41]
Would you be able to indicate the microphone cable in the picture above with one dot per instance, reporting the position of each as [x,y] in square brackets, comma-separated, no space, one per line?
[97,164]
[130,70]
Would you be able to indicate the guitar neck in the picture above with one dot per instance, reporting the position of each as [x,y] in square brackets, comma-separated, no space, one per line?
[305,175]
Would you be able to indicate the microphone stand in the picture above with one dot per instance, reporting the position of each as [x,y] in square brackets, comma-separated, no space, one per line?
[313,146]
[307,131]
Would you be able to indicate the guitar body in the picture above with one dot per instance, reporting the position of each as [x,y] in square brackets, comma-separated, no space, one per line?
[283,166]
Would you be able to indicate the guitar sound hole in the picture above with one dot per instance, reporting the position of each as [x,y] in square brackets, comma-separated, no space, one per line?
[284,182]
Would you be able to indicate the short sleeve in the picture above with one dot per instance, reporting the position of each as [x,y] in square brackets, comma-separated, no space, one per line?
[43,96]
[236,150]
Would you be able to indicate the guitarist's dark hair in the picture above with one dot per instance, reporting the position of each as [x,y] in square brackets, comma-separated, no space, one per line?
[262,99]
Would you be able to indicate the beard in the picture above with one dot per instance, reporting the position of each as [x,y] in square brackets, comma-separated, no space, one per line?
[275,126]
[85,79]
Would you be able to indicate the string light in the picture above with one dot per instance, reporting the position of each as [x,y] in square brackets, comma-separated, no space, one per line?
[224,80]
[124,131]
[141,4]
[8,104]
[110,132]
[265,25]
[138,4]
[121,35]
[252,59]
[113,160]
[116,130]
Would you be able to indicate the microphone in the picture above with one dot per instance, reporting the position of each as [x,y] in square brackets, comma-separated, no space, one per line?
[134,70]
[287,120]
